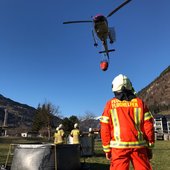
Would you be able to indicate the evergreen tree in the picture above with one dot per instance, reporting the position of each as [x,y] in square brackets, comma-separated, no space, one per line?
[44,117]
[69,123]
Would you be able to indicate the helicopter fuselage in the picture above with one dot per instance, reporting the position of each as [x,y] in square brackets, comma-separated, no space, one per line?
[101,27]
[103,32]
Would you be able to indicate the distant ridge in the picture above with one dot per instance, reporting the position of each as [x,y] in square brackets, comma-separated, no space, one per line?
[17,113]
[157,94]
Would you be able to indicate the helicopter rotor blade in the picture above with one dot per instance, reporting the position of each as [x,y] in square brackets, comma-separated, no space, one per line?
[120,6]
[75,22]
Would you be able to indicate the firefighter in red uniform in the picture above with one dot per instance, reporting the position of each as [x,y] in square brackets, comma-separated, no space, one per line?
[127,131]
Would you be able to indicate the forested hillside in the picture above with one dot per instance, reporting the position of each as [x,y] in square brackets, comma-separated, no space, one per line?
[17,113]
[157,93]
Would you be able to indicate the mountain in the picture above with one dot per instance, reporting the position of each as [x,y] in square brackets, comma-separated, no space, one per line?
[157,94]
[17,113]
[19,117]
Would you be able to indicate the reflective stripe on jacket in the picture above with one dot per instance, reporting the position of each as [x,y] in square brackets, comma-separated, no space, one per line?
[126,124]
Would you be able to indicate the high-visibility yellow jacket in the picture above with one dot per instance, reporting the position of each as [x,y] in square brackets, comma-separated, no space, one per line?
[126,124]
[75,133]
[59,137]
[56,138]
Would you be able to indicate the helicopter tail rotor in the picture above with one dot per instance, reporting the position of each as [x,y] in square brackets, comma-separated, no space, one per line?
[111,50]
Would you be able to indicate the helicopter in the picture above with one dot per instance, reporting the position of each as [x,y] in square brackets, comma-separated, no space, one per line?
[102,30]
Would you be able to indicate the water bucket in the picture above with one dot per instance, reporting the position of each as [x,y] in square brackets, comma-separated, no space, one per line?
[46,157]
[87,146]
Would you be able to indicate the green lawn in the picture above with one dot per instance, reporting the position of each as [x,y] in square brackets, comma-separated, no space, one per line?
[161,156]
[160,161]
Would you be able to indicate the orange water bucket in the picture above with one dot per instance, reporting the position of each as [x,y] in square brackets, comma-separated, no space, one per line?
[104,65]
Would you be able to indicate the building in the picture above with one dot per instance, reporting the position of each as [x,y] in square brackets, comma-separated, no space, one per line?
[161,126]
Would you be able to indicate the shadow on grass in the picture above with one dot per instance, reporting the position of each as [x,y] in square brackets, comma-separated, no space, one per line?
[94,166]
[99,154]
[88,165]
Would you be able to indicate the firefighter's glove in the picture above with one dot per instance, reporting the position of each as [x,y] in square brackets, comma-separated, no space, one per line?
[149,153]
[108,155]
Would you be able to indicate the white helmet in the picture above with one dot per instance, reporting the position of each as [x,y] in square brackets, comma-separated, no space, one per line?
[90,129]
[60,126]
[76,125]
[121,81]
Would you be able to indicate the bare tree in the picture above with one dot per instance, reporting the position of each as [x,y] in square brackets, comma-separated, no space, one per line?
[87,115]
[44,117]
[88,121]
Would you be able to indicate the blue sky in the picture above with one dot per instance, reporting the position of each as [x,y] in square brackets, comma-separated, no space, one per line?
[44,60]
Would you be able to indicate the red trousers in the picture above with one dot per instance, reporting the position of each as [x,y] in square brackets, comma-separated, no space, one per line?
[121,159]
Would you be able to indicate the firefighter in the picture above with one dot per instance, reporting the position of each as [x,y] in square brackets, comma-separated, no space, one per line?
[127,131]
[75,134]
[91,133]
[56,136]
[91,137]
[59,135]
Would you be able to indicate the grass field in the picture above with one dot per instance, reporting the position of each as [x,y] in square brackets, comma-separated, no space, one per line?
[160,161]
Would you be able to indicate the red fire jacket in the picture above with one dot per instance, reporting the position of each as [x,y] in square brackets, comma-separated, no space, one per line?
[126,124]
